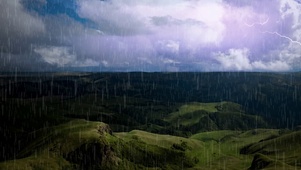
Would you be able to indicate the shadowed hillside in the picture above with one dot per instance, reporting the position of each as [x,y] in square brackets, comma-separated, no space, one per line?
[275,96]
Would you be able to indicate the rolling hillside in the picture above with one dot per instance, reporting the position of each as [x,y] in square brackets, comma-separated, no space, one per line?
[278,150]
[81,144]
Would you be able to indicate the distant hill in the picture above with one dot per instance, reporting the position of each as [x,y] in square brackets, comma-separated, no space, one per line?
[274,96]
[198,117]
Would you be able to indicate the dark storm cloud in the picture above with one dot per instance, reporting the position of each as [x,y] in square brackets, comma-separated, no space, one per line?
[17,26]
[25,33]
[171,35]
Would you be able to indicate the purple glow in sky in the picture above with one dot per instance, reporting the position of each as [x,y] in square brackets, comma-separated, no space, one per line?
[151,35]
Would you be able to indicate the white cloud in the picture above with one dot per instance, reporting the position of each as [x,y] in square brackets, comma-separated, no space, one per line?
[105,63]
[169,46]
[85,63]
[238,60]
[235,59]
[291,54]
[170,61]
[288,54]
[271,66]
[63,56]
[59,56]
[297,35]
[291,8]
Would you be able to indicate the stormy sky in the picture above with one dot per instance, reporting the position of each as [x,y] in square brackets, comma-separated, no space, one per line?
[150,35]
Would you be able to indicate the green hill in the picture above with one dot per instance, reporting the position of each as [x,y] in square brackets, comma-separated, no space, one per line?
[27,117]
[160,121]
[198,117]
[278,149]
[81,144]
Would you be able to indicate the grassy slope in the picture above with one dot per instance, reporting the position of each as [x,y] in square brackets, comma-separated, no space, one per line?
[198,117]
[284,149]
[223,148]
[212,150]
[48,150]
[52,145]
[192,107]
[81,143]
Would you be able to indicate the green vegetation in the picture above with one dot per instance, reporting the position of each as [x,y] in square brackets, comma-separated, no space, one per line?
[197,117]
[209,150]
[277,150]
[215,135]
[91,145]
[158,121]
[223,148]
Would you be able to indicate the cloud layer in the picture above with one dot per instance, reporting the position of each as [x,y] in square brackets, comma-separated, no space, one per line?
[151,35]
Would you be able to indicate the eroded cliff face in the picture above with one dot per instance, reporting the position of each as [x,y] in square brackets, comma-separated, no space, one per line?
[92,156]
[98,154]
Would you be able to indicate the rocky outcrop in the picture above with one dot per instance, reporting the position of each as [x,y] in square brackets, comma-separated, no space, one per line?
[92,156]
[260,161]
